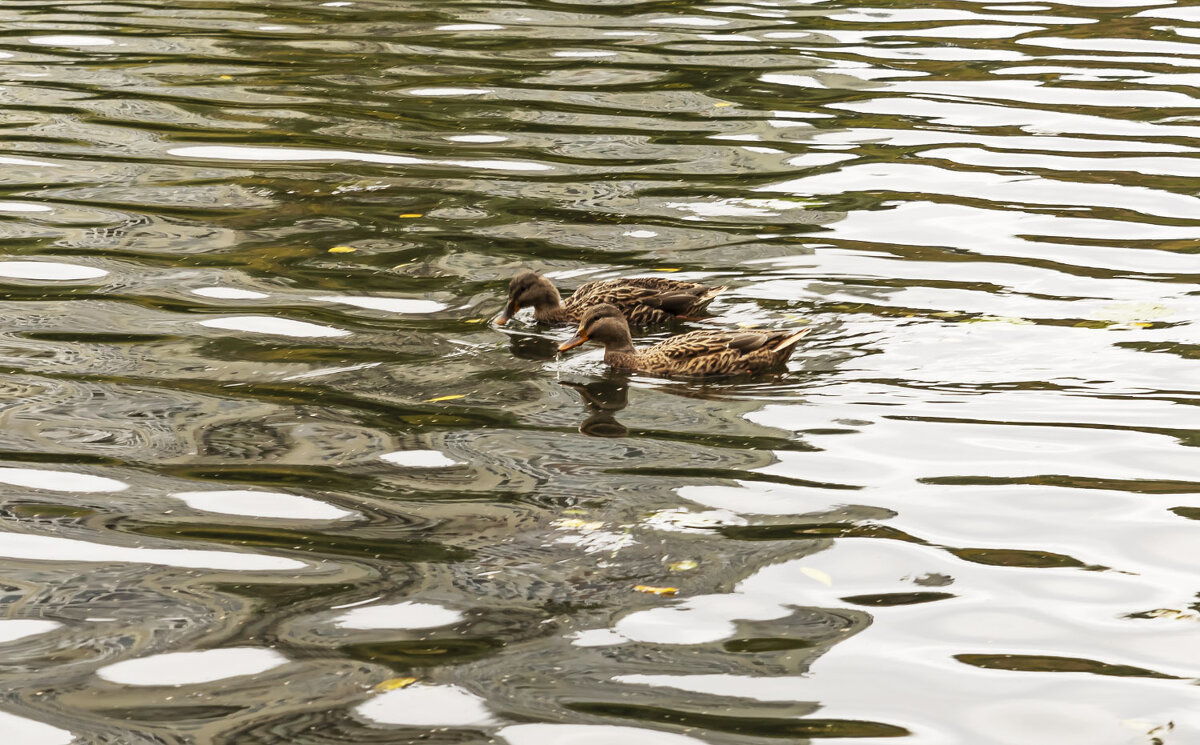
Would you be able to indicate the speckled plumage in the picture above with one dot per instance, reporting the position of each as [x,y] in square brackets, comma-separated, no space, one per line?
[644,301]
[695,354]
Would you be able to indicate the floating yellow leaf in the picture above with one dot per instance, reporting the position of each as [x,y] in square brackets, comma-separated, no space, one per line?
[451,397]
[818,575]
[475,320]
[342,250]
[392,684]
[651,590]
[410,215]
[226,77]
[577,524]
[686,565]
[667,269]
[722,103]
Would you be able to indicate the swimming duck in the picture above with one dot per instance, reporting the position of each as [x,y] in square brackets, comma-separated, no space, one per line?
[694,354]
[643,300]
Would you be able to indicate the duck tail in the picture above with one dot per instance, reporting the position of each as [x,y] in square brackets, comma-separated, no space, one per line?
[790,340]
[707,296]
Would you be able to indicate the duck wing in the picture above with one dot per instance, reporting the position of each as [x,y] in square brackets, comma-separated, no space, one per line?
[721,352]
[645,299]
[676,303]
[696,344]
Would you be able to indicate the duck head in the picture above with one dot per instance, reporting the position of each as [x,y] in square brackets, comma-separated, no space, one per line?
[605,324]
[529,290]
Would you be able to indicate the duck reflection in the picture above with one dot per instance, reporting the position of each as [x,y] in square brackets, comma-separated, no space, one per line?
[533,347]
[602,399]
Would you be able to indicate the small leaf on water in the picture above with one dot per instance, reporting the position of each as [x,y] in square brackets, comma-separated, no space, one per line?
[686,565]
[342,250]
[411,215]
[451,397]
[476,320]
[818,575]
[651,590]
[722,103]
[226,77]
[392,684]
[576,524]
[667,269]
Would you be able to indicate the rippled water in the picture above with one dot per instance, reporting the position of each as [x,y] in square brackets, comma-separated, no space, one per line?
[269,475]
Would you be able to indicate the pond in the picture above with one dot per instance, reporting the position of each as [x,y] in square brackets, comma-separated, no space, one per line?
[270,472]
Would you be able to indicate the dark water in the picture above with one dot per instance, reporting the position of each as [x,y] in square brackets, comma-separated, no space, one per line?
[270,476]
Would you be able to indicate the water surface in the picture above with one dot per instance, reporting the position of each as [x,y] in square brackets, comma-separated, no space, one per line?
[269,475]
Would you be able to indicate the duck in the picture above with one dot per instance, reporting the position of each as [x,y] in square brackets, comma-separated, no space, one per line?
[707,353]
[644,300]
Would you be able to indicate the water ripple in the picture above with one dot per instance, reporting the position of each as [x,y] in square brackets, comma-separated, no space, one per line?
[269,473]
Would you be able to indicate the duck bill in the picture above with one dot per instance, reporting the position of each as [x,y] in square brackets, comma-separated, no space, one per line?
[509,311]
[579,339]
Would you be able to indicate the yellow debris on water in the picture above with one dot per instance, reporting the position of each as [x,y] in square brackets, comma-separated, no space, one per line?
[1114,326]
[651,590]
[818,575]
[411,215]
[722,103]
[475,320]
[667,269]
[392,684]
[574,523]
[342,250]
[226,77]
[686,565]
[451,397]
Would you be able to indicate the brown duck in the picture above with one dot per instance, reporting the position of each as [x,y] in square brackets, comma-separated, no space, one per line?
[643,300]
[695,354]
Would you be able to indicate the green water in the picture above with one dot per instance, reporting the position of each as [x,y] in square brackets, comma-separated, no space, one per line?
[268,474]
